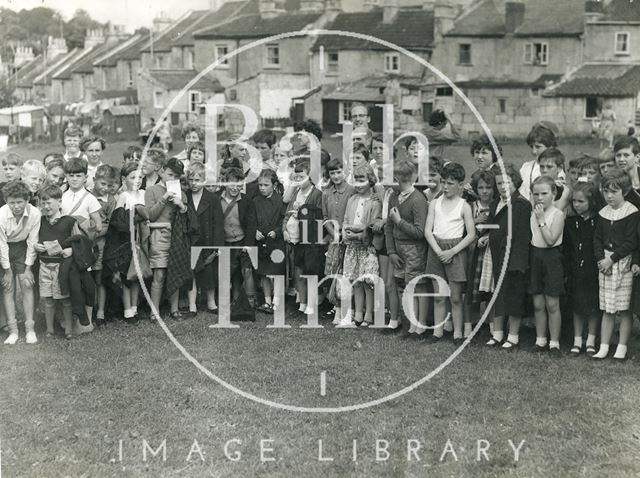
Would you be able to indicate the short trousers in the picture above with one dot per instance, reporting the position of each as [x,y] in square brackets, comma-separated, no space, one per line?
[159,245]
[48,280]
[17,256]
[454,271]
[547,272]
[414,259]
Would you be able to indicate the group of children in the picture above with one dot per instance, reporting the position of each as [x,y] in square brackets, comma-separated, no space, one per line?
[544,241]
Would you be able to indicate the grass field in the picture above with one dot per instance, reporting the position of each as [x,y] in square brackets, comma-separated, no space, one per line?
[86,407]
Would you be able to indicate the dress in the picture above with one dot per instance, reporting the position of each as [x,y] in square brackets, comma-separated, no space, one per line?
[269,212]
[360,257]
[581,265]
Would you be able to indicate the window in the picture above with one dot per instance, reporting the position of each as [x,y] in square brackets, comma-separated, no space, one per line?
[592,107]
[273,56]
[502,104]
[332,62]
[159,61]
[222,50]
[622,43]
[344,111]
[188,59]
[233,95]
[129,74]
[536,53]
[464,54]
[391,63]
[535,91]
[194,101]
[446,91]
[158,99]
[175,119]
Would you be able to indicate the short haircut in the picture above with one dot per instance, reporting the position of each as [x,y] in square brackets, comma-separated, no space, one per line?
[617,180]
[50,191]
[576,163]
[624,142]
[198,146]
[53,156]
[485,176]
[106,172]
[128,168]
[334,164]
[270,174]
[590,163]
[196,169]
[175,165]
[453,171]
[590,191]
[93,139]
[511,171]
[16,189]
[436,163]
[483,142]
[404,170]
[310,126]
[545,180]
[377,137]
[543,135]
[233,175]
[12,158]
[189,128]
[156,156]
[132,152]
[358,104]
[366,171]
[33,166]
[265,136]
[409,140]
[437,118]
[73,131]
[552,154]
[55,163]
[75,166]
[362,137]
[360,148]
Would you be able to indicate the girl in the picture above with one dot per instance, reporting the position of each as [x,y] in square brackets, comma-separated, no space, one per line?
[360,257]
[480,276]
[615,239]
[191,135]
[269,211]
[93,148]
[547,274]
[581,264]
[511,299]
[162,208]
[196,154]
[118,248]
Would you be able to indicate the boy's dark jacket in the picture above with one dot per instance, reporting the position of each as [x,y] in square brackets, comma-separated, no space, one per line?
[244,213]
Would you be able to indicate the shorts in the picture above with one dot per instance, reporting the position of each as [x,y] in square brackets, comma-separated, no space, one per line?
[454,271]
[414,259]
[547,272]
[17,256]
[159,245]
[100,242]
[511,297]
[48,280]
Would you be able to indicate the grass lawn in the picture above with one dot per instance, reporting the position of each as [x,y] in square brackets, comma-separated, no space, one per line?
[70,407]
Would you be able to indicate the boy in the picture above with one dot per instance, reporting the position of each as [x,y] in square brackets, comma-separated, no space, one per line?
[607,160]
[238,231]
[449,230]
[483,153]
[575,166]
[434,187]
[33,174]
[11,165]
[55,173]
[404,233]
[93,148]
[543,135]
[72,137]
[551,162]
[152,164]
[627,154]
[132,153]
[53,228]
[105,176]
[264,141]
[19,227]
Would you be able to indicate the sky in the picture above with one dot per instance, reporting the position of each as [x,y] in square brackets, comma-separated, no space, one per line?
[131,13]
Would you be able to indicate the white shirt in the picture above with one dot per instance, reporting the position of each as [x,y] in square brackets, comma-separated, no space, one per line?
[529,172]
[88,206]
[450,224]
[551,215]
[18,230]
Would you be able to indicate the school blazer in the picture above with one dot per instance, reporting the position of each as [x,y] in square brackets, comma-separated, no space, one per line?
[520,234]
[210,219]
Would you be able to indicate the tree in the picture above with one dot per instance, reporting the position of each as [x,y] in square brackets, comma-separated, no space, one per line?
[75,30]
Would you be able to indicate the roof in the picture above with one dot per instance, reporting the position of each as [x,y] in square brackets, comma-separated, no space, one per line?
[541,18]
[404,80]
[411,28]
[226,12]
[165,41]
[79,61]
[129,51]
[356,91]
[85,65]
[28,72]
[178,79]
[621,11]
[20,109]
[123,110]
[44,77]
[600,80]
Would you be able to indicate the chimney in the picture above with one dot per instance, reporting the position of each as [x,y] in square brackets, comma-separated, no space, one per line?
[514,15]
[94,38]
[270,8]
[444,15]
[593,10]
[370,5]
[389,11]
[162,22]
[55,47]
[24,54]
[307,6]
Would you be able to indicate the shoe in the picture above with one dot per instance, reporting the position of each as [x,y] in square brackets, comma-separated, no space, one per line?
[555,352]
[177,315]
[83,319]
[458,342]
[493,343]
[364,323]
[11,340]
[510,346]
[591,350]
[407,335]
[575,351]
[132,320]
[31,338]
[266,308]
[432,339]
[190,314]
[100,323]
[49,335]
[541,348]
[392,330]
[308,311]
[212,311]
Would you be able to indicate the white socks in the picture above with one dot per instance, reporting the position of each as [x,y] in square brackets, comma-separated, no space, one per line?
[129,313]
[393,324]
[541,341]
[603,352]
[498,335]
[467,329]
[577,342]
[554,344]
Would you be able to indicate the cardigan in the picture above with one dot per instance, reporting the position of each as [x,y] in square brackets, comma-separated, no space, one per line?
[618,236]
[413,213]
[372,211]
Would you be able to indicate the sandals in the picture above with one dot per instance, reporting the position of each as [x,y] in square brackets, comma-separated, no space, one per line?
[492,343]
[591,350]
[575,350]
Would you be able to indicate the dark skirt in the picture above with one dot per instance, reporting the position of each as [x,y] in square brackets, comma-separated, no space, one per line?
[511,298]
[271,256]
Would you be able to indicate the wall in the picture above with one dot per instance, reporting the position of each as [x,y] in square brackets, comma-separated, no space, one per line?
[600,43]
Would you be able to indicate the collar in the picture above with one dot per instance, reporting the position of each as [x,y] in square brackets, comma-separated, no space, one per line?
[617,214]
[228,198]
[406,193]
[55,218]
[25,213]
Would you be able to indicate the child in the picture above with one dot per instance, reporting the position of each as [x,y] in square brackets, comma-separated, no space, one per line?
[615,240]
[152,164]
[360,257]
[93,148]
[196,153]
[162,207]
[511,297]
[627,155]
[334,204]
[308,257]
[575,166]
[449,230]
[105,175]
[132,153]
[547,274]
[582,269]
[118,249]
[404,235]
[58,228]
[238,232]
[55,173]
[72,137]
[210,221]
[551,162]
[19,227]
[607,159]
[590,170]
[33,174]
[480,275]
[483,152]
[11,165]
[434,187]
[52,157]
[264,141]
[542,136]
[269,209]
[191,135]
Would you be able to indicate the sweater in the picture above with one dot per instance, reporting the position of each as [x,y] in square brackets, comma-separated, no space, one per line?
[616,235]
[413,213]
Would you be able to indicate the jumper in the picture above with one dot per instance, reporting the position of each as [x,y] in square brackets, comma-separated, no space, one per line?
[616,232]
[413,213]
